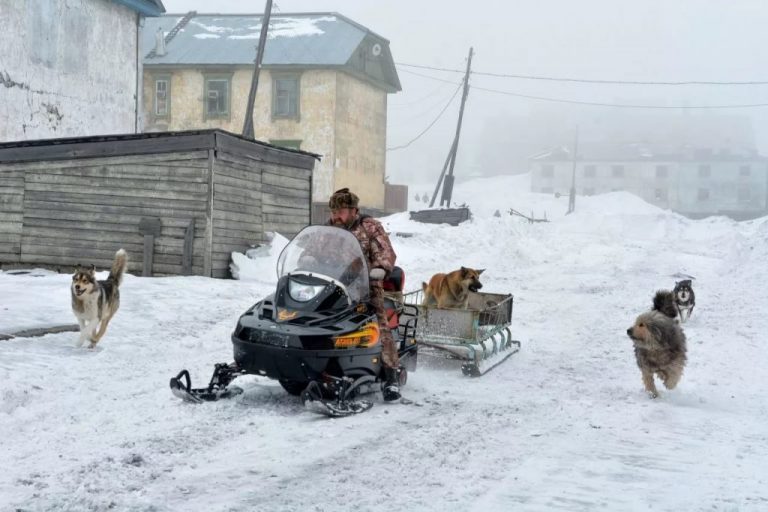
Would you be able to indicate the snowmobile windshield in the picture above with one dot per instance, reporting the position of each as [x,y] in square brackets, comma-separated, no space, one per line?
[327,252]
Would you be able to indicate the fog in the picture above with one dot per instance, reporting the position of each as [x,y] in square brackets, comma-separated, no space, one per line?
[508,119]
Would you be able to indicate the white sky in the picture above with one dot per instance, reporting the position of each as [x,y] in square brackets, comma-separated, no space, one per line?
[563,425]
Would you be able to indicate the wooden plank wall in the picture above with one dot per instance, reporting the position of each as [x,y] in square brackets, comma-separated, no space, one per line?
[236,209]
[82,211]
[11,213]
[286,198]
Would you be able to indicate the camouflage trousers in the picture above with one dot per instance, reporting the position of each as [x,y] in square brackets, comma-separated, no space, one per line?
[388,347]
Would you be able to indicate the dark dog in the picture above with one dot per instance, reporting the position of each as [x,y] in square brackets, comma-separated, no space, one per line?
[685,299]
[452,290]
[94,303]
[660,349]
[664,302]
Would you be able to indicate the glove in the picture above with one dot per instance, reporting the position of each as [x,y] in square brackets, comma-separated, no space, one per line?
[377,274]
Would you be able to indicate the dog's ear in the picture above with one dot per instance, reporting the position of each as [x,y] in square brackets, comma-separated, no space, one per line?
[92,269]
[480,271]
[657,331]
[463,270]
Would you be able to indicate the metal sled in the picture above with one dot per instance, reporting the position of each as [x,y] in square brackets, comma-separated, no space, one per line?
[480,335]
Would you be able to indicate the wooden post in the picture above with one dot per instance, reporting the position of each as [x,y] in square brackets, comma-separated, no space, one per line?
[186,257]
[448,185]
[149,227]
[248,123]
[572,195]
[448,190]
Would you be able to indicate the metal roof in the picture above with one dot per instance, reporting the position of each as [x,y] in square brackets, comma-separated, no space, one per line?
[145,7]
[310,39]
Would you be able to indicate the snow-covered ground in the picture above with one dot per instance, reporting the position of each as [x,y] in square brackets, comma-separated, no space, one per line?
[563,425]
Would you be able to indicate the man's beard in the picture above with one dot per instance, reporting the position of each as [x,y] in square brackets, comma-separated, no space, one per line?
[341,224]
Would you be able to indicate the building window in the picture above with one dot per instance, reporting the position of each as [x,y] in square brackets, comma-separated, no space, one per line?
[703,194]
[286,143]
[745,194]
[217,94]
[660,194]
[705,171]
[547,171]
[590,171]
[662,171]
[162,96]
[617,171]
[285,94]
[744,170]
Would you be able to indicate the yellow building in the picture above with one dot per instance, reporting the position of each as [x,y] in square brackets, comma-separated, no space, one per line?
[322,88]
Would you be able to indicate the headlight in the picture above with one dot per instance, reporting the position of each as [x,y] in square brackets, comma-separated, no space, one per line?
[303,292]
[365,337]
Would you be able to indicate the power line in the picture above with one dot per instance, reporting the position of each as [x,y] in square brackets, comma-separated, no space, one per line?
[430,124]
[414,102]
[587,81]
[597,103]
[430,77]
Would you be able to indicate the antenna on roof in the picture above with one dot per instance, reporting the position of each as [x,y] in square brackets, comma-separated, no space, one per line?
[248,123]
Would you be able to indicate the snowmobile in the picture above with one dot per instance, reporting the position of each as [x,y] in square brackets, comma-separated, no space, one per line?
[317,334]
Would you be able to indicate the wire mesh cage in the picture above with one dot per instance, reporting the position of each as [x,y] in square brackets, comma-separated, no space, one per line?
[486,315]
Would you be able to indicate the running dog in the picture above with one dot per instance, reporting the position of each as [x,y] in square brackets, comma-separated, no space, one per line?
[452,290]
[660,349]
[94,303]
[685,299]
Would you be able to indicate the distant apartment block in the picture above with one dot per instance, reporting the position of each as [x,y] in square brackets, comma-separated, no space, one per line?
[695,183]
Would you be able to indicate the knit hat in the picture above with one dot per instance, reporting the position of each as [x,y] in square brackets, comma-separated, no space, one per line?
[343,198]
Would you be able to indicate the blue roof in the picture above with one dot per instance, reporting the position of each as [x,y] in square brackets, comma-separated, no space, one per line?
[145,7]
[313,39]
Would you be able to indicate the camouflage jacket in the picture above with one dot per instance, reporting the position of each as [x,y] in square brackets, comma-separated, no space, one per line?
[374,241]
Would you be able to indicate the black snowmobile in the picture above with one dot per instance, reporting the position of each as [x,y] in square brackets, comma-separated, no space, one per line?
[317,334]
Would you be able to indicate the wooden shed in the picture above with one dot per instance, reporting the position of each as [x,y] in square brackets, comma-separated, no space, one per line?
[178,202]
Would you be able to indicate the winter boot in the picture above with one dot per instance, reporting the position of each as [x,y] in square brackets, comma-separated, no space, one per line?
[391,388]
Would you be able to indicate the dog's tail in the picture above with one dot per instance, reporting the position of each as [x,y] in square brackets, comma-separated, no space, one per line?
[423,286]
[664,302]
[118,267]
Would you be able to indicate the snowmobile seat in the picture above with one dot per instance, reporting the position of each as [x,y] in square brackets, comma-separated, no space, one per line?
[393,299]
[395,281]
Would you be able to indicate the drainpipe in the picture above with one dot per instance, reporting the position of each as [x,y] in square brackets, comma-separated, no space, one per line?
[139,121]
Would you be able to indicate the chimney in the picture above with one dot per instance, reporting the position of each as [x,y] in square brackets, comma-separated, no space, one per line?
[160,42]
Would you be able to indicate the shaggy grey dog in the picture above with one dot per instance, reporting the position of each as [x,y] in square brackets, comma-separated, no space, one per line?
[659,349]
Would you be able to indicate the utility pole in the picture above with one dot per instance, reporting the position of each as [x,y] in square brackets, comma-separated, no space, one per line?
[572,195]
[248,123]
[451,160]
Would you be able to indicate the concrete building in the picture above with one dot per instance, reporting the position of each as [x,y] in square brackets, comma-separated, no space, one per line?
[70,68]
[696,183]
[323,88]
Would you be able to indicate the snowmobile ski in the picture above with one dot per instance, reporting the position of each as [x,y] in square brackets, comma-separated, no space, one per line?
[335,398]
[218,387]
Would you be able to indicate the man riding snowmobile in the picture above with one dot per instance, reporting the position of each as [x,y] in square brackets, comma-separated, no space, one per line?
[319,333]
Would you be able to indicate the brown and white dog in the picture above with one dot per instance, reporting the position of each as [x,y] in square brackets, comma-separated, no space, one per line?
[660,349]
[94,303]
[452,290]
